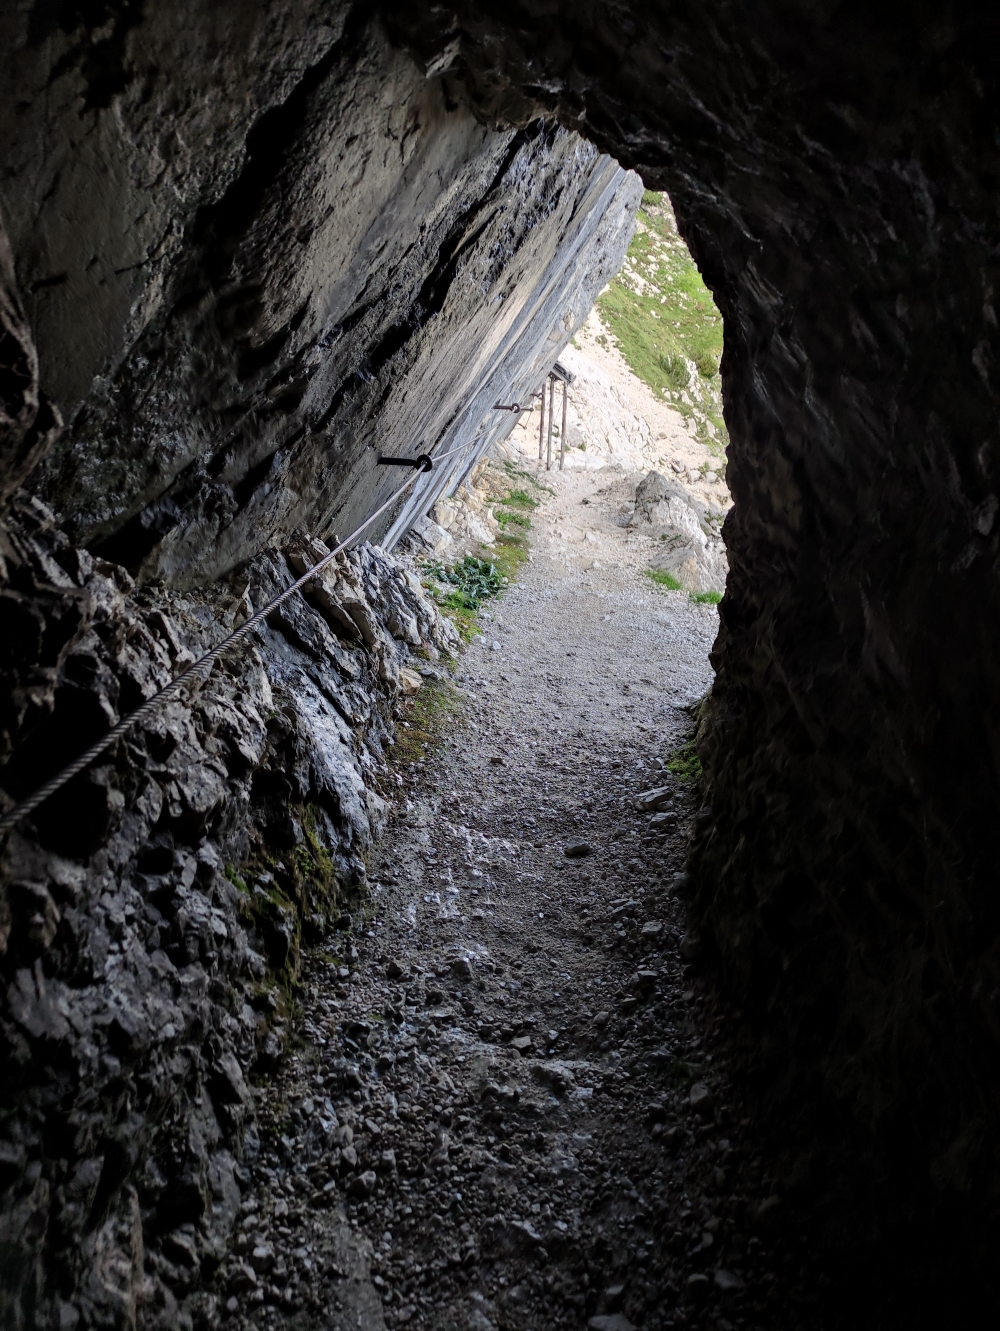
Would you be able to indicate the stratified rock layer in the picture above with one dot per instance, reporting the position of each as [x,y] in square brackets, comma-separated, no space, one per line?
[256,244]
[332,262]
[252,250]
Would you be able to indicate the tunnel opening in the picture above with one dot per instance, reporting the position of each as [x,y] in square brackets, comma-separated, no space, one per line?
[835,177]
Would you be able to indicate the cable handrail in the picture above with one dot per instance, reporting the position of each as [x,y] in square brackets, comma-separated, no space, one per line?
[193,671]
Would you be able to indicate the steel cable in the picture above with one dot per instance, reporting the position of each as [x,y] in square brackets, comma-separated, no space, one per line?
[196,669]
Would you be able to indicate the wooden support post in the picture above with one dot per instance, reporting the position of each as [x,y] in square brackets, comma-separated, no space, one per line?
[562,436]
[541,424]
[552,412]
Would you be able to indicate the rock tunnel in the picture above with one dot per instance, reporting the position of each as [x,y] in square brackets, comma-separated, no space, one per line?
[251,247]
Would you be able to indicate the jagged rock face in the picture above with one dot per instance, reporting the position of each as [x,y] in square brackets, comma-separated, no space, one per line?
[250,250]
[145,976]
[835,176]
[295,256]
[234,294]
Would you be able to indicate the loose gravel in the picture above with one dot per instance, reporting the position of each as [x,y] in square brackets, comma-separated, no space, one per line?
[509,1104]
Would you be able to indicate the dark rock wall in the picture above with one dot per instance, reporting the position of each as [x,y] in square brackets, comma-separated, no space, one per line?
[151,916]
[237,231]
[250,248]
[835,171]
[251,271]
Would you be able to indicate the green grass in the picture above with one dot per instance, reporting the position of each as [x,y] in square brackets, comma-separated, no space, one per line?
[510,555]
[684,762]
[662,315]
[513,471]
[427,714]
[662,579]
[519,499]
[705,598]
[508,519]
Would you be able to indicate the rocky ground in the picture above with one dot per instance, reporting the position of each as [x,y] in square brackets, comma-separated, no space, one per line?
[509,1103]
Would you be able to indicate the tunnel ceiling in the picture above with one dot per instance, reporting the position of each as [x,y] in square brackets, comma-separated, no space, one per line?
[836,177]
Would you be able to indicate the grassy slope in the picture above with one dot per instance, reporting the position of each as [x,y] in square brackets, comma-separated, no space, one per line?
[663,318]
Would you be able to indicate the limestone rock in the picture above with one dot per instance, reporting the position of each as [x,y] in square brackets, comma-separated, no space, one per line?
[409,682]
[692,549]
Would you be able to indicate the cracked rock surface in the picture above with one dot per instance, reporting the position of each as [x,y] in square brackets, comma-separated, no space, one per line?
[252,243]
[145,979]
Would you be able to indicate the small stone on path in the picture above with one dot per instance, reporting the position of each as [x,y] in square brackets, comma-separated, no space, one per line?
[409,682]
[701,1098]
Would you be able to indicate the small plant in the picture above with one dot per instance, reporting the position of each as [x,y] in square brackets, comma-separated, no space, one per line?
[663,579]
[684,763]
[519,499]
[675,372]
[705,598]
[508,519]
[650,199]
[474,580]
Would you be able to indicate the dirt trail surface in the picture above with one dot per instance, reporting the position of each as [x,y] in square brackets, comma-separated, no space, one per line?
[506,1108]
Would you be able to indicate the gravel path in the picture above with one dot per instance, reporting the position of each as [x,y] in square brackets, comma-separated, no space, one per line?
[507,1108]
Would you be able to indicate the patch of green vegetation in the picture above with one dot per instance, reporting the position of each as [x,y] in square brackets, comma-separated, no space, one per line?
[236,880]
[674,319]
[466,621]
[662,316]
[427,715]
[519,499]
[313,859]
[475,580]
[705,598]
[460,591]
[684,763]
[663,579]
[508,519]
[288,887]
[509,557]
[512,471]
